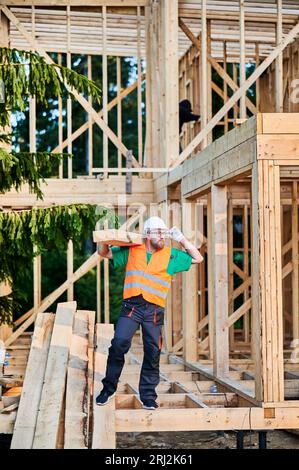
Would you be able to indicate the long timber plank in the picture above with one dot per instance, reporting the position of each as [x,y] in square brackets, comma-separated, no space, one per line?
[103,416]
[76,406]
[32,387]
[48,418]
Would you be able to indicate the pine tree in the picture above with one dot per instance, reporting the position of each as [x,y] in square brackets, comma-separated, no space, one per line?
[26,74]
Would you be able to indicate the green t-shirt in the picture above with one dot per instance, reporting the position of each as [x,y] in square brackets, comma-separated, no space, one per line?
[179,260]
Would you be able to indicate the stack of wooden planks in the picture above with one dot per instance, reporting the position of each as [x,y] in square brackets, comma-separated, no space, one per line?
[55,409]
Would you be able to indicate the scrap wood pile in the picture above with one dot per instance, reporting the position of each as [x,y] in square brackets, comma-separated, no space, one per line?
[64,371]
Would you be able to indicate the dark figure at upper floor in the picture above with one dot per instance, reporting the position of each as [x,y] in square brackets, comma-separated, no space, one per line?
[186,114]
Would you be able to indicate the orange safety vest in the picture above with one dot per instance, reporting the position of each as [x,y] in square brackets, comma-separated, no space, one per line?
[151,280]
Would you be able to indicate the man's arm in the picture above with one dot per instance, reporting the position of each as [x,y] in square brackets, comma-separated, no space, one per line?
[104,250]
[177,235]
[192,251]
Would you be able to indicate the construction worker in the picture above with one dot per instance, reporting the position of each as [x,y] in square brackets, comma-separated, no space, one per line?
[149,269]
[186,115]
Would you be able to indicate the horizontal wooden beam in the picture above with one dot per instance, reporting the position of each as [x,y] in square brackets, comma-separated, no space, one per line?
[82,191]
[204,419]
[78,3]
[131,170]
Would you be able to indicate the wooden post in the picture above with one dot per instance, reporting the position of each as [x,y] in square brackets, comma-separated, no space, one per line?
[267,283]
[103,436]
[139,90]
[5,330]
[98,281]
[203,69]
[119,110]
[190,290]
[69,100]
[177,284]
[4,42]
[37,295]
[243,114]
[257,83]
[99,320]
[60,127]
[90,133]
[279,62]
[156,83]
[295,272]
[199,239]
[225,86]
[220,279]
[170,80]
[70,269]
[169,301]
[235,78]
[209,81]
[32,146]
[105,89]
[4,30]
[148,157]
[246,318]
[210,278]
[106,286]
[230,252]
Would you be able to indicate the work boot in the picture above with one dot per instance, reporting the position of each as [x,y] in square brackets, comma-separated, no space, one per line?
[150,404]
[104,397]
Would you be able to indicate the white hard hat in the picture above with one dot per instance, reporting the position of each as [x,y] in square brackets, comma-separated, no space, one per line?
[154,223]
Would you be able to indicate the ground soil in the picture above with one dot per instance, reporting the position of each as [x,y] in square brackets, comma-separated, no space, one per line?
[203,440]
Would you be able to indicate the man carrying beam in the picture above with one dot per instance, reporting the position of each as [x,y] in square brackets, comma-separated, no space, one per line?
[149,269]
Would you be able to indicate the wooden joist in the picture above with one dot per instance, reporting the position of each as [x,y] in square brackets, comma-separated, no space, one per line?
[54,409]
[32,388]
[50,408]
[103,436]
[76,411]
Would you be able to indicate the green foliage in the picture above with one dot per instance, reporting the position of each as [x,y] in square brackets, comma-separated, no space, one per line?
[26,167]
[54,259]
[25,73]
[44,229]
[5,138]
[8,305]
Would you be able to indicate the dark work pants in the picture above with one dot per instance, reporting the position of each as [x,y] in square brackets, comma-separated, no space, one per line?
[137,311]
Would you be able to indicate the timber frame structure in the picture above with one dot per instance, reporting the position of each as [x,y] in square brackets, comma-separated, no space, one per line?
[234,319]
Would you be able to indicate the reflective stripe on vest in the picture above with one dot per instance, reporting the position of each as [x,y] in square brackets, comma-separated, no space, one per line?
[151,277]
[129,285]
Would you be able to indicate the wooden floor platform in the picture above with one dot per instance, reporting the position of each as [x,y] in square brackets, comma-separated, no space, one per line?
[67,362]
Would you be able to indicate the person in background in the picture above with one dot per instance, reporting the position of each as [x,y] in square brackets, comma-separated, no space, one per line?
[186,115]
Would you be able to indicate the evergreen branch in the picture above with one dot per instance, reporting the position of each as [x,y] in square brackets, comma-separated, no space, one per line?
[25,73]
[26,167]
[5,138]
[44,228]
[8,305]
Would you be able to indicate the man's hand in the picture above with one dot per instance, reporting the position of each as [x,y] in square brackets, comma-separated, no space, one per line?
[104,251]
[176,234]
